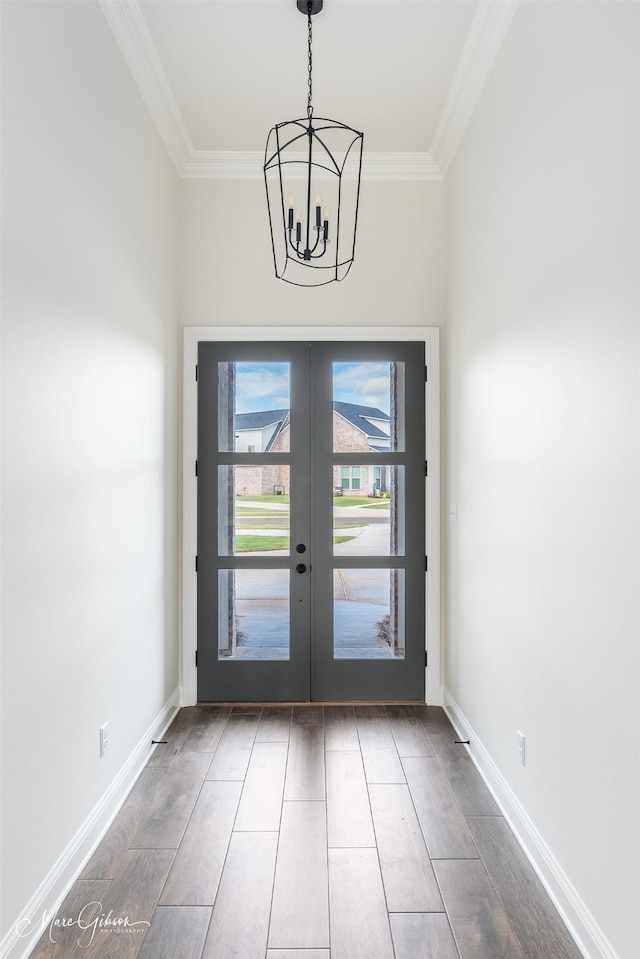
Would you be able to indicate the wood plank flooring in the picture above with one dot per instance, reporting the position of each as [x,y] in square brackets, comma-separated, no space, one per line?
[308,832]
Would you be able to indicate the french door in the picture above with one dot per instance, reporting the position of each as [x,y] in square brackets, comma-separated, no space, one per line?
[311,565]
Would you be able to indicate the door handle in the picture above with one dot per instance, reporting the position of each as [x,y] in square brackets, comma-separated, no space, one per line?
[301,568]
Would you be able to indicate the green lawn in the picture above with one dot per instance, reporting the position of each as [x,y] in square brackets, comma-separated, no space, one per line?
[264,498]
[360,501]
[261,544]
[266,544]
[248,525]
[343,524]
[268,499]
[257,511]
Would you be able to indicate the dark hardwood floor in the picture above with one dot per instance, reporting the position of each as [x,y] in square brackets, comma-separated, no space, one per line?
[308,832]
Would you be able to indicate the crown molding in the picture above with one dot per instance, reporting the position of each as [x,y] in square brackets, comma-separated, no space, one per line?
[399,166]
[485,38]
[481,48]
[139,51]
[248,165]
[224,165]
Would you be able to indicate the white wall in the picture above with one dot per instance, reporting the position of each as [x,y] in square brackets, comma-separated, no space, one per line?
[543,429]
[227,274]
[227,279]
[89,429]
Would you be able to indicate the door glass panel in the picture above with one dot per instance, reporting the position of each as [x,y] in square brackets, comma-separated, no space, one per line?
[369,521]
[253,509]
[254,400]
[368,407]
[368,614]
[253,614]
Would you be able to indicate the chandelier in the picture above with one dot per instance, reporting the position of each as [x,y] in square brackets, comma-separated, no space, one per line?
[312,170]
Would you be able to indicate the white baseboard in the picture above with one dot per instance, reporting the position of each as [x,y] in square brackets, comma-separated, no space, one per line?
[32,922]
[585,930]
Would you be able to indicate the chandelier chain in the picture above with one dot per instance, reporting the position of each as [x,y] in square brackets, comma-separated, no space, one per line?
[310,61]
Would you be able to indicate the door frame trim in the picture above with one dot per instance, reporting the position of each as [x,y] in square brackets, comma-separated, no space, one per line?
[192,335]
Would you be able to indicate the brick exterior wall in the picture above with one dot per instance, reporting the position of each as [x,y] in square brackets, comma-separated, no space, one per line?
[346,438]
[261,480]
[367,481]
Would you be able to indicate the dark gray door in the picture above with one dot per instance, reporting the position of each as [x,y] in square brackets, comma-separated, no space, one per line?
[311,566]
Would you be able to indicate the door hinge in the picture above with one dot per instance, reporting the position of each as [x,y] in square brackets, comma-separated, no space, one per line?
[425,374]
[196,658]
[196,467]
[196,564]
[426,564]
[426,468]
[426,658]
[196,372]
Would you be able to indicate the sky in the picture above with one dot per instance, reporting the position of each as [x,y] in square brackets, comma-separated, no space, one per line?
[265,386]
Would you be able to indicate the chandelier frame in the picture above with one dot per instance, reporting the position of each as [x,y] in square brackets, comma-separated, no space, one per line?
[315,150]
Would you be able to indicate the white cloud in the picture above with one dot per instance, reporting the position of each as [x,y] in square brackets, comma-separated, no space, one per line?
[262,387]
[364,383]
[266,386]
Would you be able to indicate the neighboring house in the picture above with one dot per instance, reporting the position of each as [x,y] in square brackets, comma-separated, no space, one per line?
[256,432]
[355,428]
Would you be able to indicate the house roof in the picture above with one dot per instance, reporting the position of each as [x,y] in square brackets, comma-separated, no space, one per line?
[358,416]
[260,419]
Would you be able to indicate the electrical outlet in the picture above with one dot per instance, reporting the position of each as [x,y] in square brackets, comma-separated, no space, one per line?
[104,739]
[520,746]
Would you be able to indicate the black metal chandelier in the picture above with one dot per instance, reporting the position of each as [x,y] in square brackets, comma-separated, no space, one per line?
[312,170]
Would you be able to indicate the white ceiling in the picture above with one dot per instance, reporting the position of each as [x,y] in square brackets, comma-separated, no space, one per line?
[218,74]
